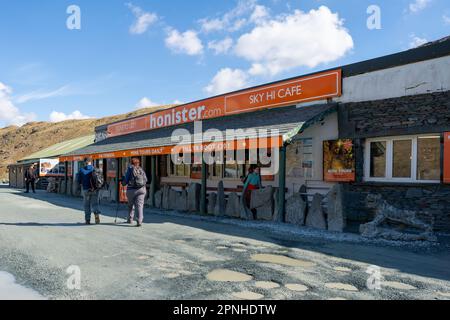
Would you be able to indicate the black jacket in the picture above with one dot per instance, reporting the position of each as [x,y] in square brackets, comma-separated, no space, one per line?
[30,174]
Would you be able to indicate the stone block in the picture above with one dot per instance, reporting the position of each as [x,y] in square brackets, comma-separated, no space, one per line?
[212,199]
[335,210]
[296,210]
[220,208]
[194,197]
[316,218]
[233,206]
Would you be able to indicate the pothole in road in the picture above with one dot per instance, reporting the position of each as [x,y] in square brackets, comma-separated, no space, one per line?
[266,284]
[341,286]
[224,275]
[283,260]
[297,287]
[248,295]
[444,294]
[398,285]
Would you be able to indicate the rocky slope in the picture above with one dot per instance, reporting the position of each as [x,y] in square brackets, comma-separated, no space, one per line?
[18,142]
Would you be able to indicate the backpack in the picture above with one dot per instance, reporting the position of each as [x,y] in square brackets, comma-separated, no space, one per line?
[138,178]
[97,180]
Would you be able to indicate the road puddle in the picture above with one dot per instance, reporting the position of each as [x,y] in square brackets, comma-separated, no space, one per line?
[282,260]
[224,275]
[398,285]
[296,287]
[10,290]
[342,269]
[341,286]
[266,285]
[248,295]
[444,294]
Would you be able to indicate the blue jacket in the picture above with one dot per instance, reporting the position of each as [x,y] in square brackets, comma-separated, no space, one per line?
[84,177]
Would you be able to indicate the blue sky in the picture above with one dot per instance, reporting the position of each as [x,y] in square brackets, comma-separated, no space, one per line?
[140,53]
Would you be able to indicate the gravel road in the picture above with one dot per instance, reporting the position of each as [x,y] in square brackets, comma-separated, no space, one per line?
[178,256]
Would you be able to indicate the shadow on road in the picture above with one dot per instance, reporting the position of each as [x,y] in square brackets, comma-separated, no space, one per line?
[425,262]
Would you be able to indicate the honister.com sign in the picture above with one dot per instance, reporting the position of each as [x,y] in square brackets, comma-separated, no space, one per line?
[303,89]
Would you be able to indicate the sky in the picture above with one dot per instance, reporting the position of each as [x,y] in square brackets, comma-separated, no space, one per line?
[117,56]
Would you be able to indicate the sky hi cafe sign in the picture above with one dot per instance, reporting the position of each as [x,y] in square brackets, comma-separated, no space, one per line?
[318,86]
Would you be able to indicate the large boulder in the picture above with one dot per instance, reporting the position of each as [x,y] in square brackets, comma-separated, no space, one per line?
[158,199]
[212,199]
[262,201]
[245,212]
[335,211]
[316,218]
[276,217]
[181,201]
[173,199]
[296,210]
[194,197]
[165,197]
[233,205]
[220,208]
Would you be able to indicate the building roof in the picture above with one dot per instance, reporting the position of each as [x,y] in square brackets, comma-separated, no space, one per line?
[60,148]
[288,121]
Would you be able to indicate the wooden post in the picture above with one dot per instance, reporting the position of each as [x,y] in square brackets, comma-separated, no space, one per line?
[282,184]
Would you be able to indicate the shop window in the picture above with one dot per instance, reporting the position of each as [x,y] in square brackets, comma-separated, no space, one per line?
[428,158]
[403,159]
[378,159]
[178,170]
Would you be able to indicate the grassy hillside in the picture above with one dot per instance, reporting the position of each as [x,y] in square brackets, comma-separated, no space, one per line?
[18,142]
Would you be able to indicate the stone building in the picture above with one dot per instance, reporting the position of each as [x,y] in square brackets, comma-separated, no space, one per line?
[377,127]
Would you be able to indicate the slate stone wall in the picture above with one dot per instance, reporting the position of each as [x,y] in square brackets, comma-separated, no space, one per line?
[410,115]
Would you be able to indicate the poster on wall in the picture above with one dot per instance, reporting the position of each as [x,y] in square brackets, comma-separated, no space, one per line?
[339,161]
[51,168]
[447,157]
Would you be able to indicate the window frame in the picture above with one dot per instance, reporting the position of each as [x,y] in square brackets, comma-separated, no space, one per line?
[390,157]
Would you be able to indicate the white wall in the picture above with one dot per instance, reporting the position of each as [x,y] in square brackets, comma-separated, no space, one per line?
[412,79]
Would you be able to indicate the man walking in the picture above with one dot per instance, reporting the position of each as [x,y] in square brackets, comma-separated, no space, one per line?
[30,178]
[87,177]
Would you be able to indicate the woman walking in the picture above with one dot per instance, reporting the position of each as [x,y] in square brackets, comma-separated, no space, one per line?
[252,182]
[136,181]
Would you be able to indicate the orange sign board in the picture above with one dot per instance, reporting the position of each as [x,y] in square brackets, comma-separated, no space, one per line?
[270,142]
[447,157]
[303,89]
[318,86]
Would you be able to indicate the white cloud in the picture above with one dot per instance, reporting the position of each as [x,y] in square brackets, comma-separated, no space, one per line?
[178,102]
[227,80]
[187,42]
[56,116]
[221,46]
[446,19]
[143,19]
[299,39]
[232,20]
[9,113]
[146,103]
[259,15]
[418,5]
[42,94]
[416,41]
